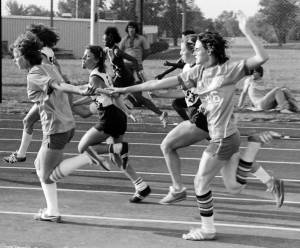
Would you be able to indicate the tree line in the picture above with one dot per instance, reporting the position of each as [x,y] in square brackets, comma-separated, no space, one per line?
[276,21]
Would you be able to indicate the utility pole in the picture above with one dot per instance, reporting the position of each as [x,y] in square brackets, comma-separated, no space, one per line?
[93,22]
[76,8]
[183,27]
[139,5]
[51,13]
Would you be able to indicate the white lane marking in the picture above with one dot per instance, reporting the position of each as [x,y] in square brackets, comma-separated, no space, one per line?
[182,158]
[142,173]
[159,124]
[153,194]
[158,144]
[140,132]
[93,217]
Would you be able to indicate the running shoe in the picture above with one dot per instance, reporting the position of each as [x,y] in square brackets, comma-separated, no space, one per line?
[173,196]
[98,160]
[140,195]
[277,190]
[13,158]
[43,216]
[199,235]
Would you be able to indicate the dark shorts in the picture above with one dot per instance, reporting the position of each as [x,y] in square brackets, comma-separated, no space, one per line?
[112,121]
[225,148]
[58,141]
[199,119]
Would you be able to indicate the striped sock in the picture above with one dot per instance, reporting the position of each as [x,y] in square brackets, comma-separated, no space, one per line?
[205,204]
[242,171]
[56,174]
[139,184]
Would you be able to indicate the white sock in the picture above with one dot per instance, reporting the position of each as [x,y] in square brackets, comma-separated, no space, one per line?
[50,193]
[250,152]
[262,175]
[67,166]
[178,190]
[139,184]
[208,224]
[25,142]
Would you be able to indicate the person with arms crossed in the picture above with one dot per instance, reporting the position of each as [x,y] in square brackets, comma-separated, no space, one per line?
[138,47]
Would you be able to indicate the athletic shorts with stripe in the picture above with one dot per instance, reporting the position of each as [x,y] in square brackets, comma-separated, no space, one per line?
[224,148]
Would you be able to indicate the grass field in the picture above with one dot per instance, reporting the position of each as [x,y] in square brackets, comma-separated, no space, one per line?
[282,69]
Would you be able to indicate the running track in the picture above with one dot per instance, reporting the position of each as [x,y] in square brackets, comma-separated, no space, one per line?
[95,206]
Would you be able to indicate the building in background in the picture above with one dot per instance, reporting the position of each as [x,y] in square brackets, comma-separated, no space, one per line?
[74,33]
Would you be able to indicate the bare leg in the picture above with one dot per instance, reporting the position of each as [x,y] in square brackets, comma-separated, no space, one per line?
[209,167]
[183,135]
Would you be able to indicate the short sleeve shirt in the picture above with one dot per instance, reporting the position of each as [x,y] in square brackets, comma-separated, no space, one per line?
[134,47]
[216,87]
[54,108]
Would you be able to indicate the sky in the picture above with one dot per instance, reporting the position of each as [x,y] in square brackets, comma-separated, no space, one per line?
[209,8]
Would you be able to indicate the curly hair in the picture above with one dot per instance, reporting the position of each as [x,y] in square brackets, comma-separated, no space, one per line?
[99,54]
[29,46]
[216,44]
[133,25]
[45,34]
[113,33]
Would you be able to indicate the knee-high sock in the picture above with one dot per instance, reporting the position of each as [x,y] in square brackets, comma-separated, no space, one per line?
[50,193]
[262,175]
[205,205]
[67,166]
[25,142]
[242,171]
[246,161]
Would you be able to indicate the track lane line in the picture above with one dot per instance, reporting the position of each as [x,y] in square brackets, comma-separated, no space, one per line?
[142,173]
[178,222]
[153,194]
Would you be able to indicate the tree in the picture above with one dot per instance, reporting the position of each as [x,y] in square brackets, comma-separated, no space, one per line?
[14,8]
[227,25]
[262,29]
[197,21]
[281,15]
[172,20]
[125,9]
[33,10]
[153,12]
[69,6]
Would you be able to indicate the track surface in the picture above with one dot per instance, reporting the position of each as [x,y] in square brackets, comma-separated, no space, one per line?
[95,206]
